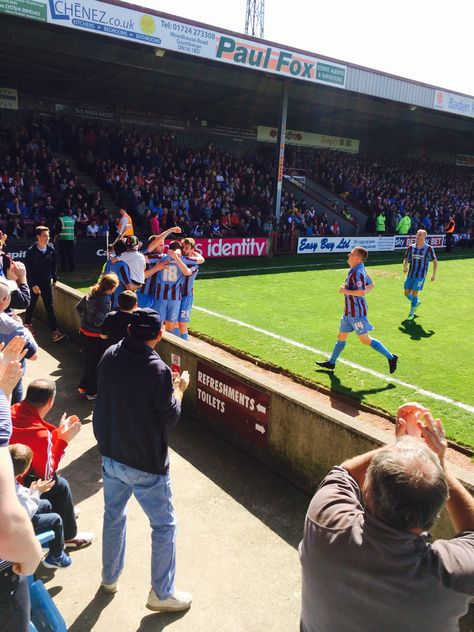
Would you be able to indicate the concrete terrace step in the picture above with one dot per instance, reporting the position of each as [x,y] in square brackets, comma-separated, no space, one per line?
[239,526]
[90,184]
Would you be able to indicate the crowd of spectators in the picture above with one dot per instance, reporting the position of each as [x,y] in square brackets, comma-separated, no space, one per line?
[206,192]
[429,193]
[35,186]
[209,192]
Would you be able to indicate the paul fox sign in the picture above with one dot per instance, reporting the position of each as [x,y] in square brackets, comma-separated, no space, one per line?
[154,29]
[279,61]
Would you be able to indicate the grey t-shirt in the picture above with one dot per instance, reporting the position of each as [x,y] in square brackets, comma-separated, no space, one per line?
[360,575]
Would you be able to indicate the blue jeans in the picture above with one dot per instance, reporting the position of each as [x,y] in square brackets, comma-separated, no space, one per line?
[14,602]
[62,503]
[153,493]
[46,520]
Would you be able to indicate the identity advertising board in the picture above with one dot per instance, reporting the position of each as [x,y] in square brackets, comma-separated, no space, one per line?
[93,250]
[403,241]
[454,103]
[307,139]
[8,98]
[166,34]
[226,247]
[318,245]
[464,160]
[239,406]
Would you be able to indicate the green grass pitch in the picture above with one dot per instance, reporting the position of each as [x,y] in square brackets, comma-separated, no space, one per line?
[297,298]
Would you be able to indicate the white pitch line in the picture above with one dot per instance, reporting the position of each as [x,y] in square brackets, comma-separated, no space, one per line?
[262,270]
[300,345]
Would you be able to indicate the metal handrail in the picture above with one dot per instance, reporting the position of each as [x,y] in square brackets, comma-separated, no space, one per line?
[320,198]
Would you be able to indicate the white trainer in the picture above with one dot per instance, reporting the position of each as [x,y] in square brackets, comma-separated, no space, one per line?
[174,603]
[110,589]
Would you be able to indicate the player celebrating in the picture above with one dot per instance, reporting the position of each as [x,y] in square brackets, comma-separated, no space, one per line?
[357,285]
[156,262]
[190,257]
[169,286]
[418,256]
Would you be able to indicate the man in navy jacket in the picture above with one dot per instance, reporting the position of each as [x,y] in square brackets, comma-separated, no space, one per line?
[138,400]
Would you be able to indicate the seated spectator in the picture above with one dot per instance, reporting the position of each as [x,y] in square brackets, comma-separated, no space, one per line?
[268,226]
[92,229]
[38,509]
[114,327]
[14,229]
[334,228]
[92,310]
[82,222]
[226,223]
[48,444]
[103,228]
[216,229]
[198,231]
[16,208]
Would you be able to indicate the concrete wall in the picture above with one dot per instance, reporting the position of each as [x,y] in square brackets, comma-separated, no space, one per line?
[305,437]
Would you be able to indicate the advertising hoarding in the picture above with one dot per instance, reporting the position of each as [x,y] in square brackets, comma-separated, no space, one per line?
[464,160]
[403,241]
[8,98]
[182,37]
[454,103]
[241,407]
[317,245]
[308,139]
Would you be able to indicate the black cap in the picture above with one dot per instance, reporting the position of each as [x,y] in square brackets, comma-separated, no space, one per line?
[145,324]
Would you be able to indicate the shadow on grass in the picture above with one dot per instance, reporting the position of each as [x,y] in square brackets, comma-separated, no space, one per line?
[415,330]
[338,387]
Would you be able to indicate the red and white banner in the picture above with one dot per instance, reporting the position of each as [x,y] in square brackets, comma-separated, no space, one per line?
[231,247]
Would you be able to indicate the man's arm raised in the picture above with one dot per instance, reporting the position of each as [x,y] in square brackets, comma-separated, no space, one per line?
[460,504]
[162,236]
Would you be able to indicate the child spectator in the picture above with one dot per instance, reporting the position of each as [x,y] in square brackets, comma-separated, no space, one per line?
[38,509]
[114,327]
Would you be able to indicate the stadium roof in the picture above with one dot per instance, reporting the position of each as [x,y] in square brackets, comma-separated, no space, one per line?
[42,58]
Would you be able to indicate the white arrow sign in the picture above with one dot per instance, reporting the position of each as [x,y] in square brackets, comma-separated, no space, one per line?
[261,409]
[260,428]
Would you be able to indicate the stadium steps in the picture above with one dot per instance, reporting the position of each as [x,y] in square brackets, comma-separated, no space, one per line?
[355,211]
[316,196]
[90,184]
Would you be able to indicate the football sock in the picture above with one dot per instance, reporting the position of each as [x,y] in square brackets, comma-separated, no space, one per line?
[378,346]
[185,336]
[336,352]
[176,332]
[414,302]
[408,297]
